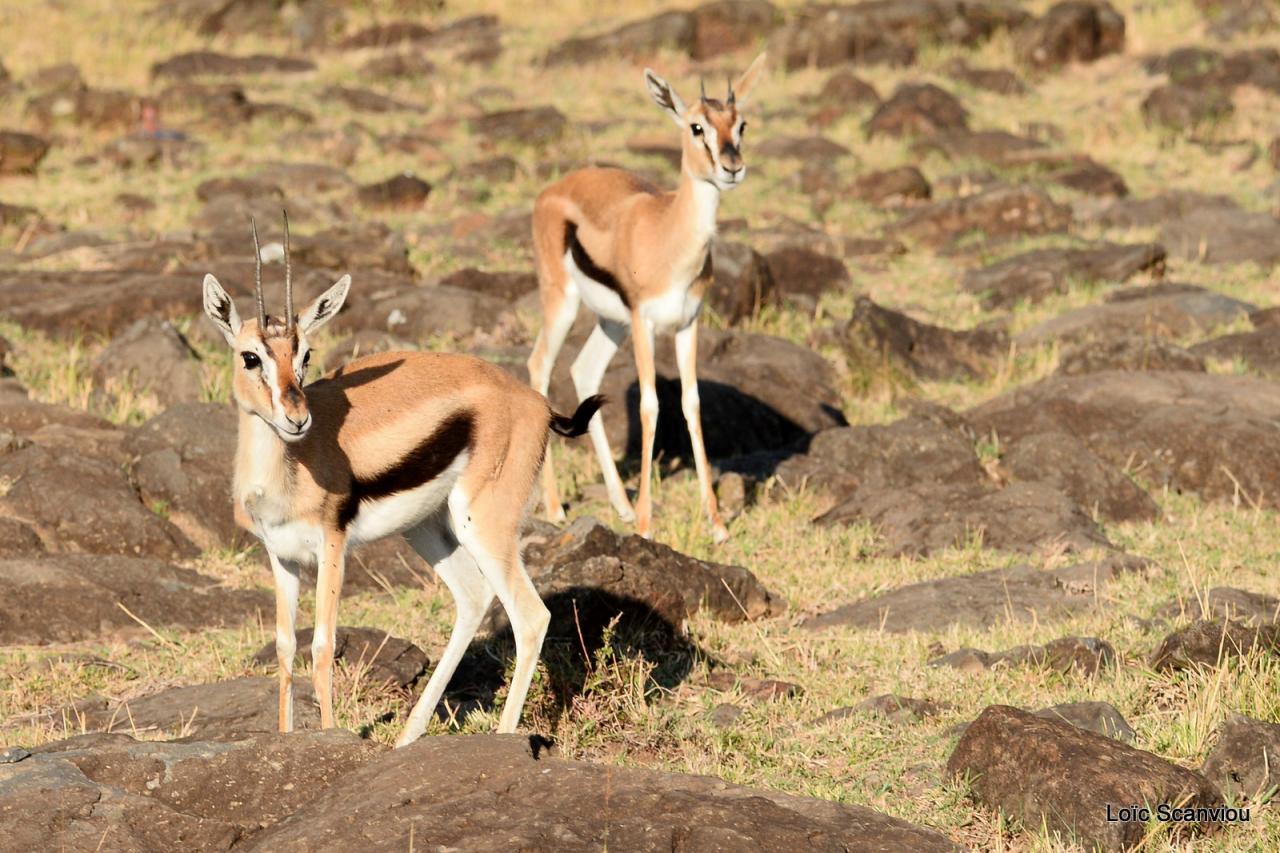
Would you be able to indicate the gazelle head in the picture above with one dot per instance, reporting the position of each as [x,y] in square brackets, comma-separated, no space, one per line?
[711,129]
[272,355]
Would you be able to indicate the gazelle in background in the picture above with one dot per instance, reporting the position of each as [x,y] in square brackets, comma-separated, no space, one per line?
[641,261]
[442,448]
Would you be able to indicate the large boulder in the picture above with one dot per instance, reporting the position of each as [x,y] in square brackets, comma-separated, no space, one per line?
[996,213]
[1063,461]
[153,357]
[21,153]
[1047,772]
[1167,310]
[1071,31]
[96,301]
[380,658]
[1032,276]
[1212,642]
[1224,236]
[918,109]
[1242,761]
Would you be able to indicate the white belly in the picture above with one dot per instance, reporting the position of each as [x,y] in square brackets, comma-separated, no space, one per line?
[676,308]
[397,513]
[292,541]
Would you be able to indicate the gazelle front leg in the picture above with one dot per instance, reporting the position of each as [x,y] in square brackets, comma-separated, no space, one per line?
[687,361]
[588,372]
[332,565]
[286,583]
[646,373]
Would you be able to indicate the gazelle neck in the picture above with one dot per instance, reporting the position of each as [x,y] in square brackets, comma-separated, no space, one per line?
[695,208]
[262,459]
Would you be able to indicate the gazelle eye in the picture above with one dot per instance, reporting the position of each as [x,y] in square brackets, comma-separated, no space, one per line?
[251,361]
[696,128]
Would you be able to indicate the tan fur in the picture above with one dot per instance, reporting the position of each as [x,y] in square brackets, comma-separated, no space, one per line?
[654,246]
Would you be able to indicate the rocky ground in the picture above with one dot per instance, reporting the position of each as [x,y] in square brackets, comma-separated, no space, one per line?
[988,380]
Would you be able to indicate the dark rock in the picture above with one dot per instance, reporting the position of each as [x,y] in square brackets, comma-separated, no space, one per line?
[510,286]
[982,600]
[1259,350]
[529,125]
[1186,108]
[1039,273]
[797,271]
[1090,178]
[419,313]
[399,192]
[21,153]
[846,89]
[743,282]
[921,520]
[817,148]
[1165,310]
[219,710]
[77,503]
[207,63]
[152,356]
[389,34]
[68,598]
[997,147]
[1071,31]
[900,710]
[1050,773]
[18,539]
[1242,761]
[1210,642]
[755,689]
[1224,602]
[875,335]
[380,657]
[400,66]
[1130,352]
[365,101]
[1224,236]
[1062,461]
[1064,655]
[917,109]
[246,188]
[536,796]
[1097,717]
[997,213]
[61,78]
[1160,209]
[96,108]
[1002,81]
[24,416]
[892,185]
[725,715]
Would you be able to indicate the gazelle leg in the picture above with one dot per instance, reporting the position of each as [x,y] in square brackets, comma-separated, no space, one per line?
[642,340]
[485,531]
[559,311]
[286,583]
[471,597]
[328,588]
[588,372]
[687,360]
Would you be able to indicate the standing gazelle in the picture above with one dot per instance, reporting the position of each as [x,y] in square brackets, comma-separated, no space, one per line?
[442,448]
[641,261]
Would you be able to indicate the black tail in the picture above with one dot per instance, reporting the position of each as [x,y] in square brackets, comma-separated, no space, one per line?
[577,425]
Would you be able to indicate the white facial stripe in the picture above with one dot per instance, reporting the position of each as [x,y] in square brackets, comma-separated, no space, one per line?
[712,143]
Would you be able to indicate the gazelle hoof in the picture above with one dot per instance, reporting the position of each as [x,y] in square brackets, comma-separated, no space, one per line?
[720,534]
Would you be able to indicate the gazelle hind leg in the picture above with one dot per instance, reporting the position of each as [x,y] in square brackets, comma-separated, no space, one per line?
[486,531]
[588,372]
[286,583]
[690,403]
[559,312]
[471,598]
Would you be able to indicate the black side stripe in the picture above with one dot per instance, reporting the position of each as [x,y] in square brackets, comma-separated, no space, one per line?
[589,267]
[422,465]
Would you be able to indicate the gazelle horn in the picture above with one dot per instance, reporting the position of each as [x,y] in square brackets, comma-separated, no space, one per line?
[703,84]
[288,279]
[730,99]
[257,277]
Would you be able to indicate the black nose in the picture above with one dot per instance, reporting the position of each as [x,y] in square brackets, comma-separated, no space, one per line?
[733,171]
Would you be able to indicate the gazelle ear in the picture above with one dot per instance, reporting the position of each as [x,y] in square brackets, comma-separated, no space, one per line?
[665,97]
[325,307]
[742,88]
[220,309]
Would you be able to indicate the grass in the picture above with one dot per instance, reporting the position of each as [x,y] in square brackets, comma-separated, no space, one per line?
[621,714]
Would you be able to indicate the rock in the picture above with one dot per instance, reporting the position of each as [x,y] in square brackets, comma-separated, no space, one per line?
[152,356]
[1210,642]
[917,109]
[24,416]
[1168,310]
[997,213]
[96,108]
[1091,178]
[1002,81]
[1259,350]
[1242,759]
[879,33]
[378,656]
[18,539]
[1045,772]
[366,101]
[535,126]
[1071,31]
[1065,654]
[64,598]
[1224,602]
[725,715]
[1224,236]
[1186,108]
[709,30]
[817,148]
[1065,463]
[390,34]
[419,313]
[588,575]
[755,689]
[912,451]
[997,147]
[1032,276]
[99,301]
[1195,432]
[846,89]
[900,710]
[1160,209]
[1130,352]
[743,282]
[981,600]
[21,153]
[61,78]
[797,271]
[875,335]
[892,185]
[399,66]
[1097,717]
[76,503]
[510,286]
[207,63]
[535,796]
[399,192]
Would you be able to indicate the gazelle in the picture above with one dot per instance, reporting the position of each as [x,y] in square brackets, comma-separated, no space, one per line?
[442,448]
[640,259]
